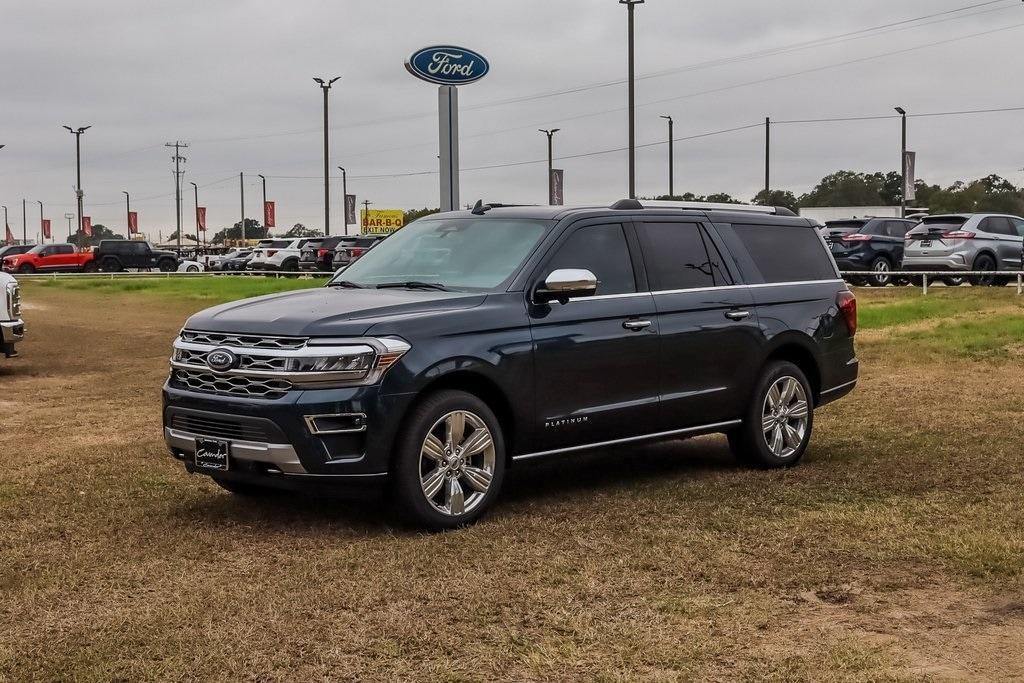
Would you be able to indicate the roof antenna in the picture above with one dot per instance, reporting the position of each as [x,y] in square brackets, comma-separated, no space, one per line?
[479,209]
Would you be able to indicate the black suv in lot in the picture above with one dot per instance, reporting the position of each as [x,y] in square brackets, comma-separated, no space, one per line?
[113,256]
[473,341]
[873,246]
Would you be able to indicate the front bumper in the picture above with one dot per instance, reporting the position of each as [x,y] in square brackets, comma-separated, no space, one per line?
[11,332]
[272,437]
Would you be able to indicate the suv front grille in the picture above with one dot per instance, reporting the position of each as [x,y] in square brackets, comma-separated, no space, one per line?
[234,385]
[245,362]
[244,341]
[224,428]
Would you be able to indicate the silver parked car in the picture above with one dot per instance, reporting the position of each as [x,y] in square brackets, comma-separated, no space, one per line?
[967,241]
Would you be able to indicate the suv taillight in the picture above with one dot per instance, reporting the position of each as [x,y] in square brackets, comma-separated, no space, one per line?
[959,235]
[322,252]
[856,237]
[355,252]
[847,304]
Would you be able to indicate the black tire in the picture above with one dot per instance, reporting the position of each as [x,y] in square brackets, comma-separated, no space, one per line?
[27,269]
[90,267]
[245,489]
[900,280]
[167,265]
[952,280]
[192,269]
[987,263]
[917,280]
[290,266]
[749,442]
[111,265]
[412,468]
[881,272]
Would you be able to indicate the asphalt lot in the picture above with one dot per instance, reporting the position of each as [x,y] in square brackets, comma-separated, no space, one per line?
[895,551]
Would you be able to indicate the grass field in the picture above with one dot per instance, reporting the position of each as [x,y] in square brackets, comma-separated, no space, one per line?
[894,552]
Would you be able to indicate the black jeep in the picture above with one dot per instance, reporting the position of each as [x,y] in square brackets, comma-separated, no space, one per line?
[114,256]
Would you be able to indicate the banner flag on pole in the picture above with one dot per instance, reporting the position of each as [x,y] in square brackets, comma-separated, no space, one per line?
[909,191]
[46,228]
[133,222]
[350,209]
[557,177]
[268,214]
[201,217]
[87,225]
[9,235]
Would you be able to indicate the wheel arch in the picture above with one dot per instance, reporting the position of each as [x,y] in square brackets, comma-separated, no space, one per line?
[985,251]
[799,350]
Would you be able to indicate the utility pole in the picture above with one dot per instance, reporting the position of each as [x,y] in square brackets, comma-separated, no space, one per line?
[326,86]
[630,5]
[903,161]
[263,178]
[767,159]
[42,237]
[128,212]
[195,188]
[24,223]
[671,164]
[177,159]
[551,180]
[344,195]
[77,132]
[241,194]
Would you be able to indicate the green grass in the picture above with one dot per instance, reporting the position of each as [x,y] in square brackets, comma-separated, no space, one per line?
[995,337]
[206,289]
[874,315]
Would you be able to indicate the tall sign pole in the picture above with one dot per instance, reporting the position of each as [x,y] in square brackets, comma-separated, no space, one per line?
[903,160]
[325,85]
[448,66]
[630,5]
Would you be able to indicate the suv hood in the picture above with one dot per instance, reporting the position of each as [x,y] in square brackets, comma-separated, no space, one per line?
[326,311]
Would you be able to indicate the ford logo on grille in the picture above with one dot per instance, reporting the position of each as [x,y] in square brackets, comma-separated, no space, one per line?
[447,65]
[221,360]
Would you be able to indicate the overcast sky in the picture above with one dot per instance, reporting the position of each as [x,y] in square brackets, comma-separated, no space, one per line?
[233,78]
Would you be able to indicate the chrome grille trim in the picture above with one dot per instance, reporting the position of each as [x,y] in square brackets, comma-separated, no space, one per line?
[245,341]
[232,385]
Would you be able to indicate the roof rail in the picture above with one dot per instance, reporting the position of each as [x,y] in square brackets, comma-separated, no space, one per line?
[713,206]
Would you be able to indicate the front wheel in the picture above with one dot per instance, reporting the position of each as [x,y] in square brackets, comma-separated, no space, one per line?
[450,461]
[192,269]
[27,269]
[90,267]
[167,265]
[881,272]
[777,427]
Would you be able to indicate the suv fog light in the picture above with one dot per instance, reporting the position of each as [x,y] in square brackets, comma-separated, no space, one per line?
[339,423]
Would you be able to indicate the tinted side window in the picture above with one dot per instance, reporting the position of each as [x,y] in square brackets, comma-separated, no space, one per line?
[897,228]
[999,225]
[676,256]
[786,253]
[66,249]
[1018,224]
[873,228]
[602,250]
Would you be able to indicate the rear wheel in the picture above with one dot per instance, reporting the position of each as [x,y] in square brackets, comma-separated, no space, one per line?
[988,264]
[881,272]
[290,266]
[90,267]
[111,265]
[167,265]
[778,423]
[450,461]
[192,269]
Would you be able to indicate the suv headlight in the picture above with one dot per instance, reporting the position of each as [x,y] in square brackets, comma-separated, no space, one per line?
[14,300]
[364,362]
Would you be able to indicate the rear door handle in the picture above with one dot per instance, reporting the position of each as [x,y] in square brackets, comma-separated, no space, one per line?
[737,315]
[636,325]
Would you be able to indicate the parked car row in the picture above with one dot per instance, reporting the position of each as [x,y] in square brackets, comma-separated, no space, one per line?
[111,256]
[883,247]
[307,254]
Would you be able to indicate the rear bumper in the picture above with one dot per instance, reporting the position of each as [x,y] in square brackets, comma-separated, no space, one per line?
[11,332]
[950,262]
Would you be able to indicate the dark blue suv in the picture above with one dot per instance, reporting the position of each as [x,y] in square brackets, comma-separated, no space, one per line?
[474,341]
[873,246]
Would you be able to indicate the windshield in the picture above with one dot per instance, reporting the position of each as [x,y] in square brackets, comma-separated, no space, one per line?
[939,224]
[459,253]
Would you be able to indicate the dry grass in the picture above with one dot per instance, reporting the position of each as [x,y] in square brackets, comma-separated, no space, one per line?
[894,552]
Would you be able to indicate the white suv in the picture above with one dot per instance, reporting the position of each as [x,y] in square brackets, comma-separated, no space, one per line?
[12,329]
[277,255]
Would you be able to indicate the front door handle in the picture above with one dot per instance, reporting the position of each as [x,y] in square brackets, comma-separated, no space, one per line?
[636,325]
[737,315]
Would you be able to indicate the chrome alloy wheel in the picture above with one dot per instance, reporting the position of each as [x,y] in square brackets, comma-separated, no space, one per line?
[881,272]
[457,463]
[784,416]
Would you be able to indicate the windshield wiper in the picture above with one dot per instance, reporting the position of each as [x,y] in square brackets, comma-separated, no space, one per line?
[413,284]
[348,284]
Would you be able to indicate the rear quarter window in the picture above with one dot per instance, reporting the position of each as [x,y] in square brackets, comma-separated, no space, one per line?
[785,253]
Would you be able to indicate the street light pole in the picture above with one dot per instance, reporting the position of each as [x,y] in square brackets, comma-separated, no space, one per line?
[78,167]
[671,164]
[24,224]
[263,179]
[630,4]
[128,212]
[42,237]
[767,159]
[241,196]
[326,86]
[551,180]
[344,195]
[903,161]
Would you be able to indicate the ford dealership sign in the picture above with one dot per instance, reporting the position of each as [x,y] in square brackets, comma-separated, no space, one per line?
[447,65]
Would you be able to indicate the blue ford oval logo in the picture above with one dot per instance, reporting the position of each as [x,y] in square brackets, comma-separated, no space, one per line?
[221,360]
[447,65]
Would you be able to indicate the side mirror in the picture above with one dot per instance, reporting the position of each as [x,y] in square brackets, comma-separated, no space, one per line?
[566,283]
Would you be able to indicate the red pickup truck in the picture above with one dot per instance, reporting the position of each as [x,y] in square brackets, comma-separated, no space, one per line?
[51,258]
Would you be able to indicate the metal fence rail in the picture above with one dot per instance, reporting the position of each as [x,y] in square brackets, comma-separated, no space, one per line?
[923,274]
